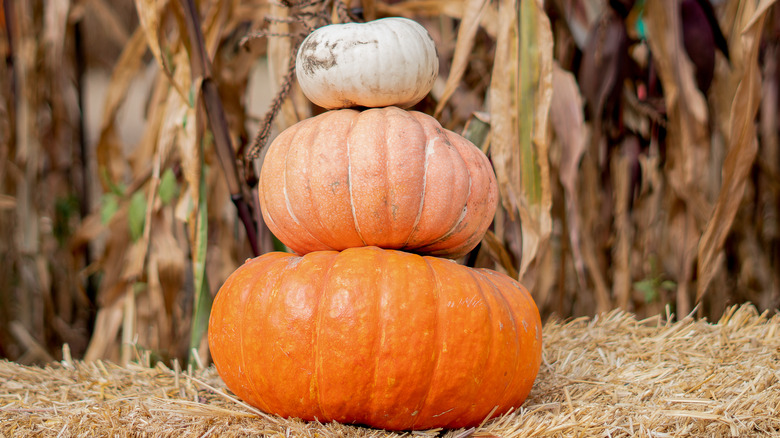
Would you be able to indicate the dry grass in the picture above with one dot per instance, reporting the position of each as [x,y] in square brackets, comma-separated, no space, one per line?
[612,376]
[125,202]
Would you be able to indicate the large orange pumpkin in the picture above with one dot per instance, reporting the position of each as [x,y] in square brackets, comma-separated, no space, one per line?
[377,337]
[384,176]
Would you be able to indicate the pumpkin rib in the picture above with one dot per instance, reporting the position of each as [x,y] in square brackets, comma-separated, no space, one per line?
[315,201]
[479,282]
[379,331]
[249,376]
[428,152]
[287,196]
[462,154]
[454,227]
[465,153]
[518,359]
[243,288]
[403,55]
[500,293]
[349,185]
[437,351]
[430,412]
[519,302]
[404,168]
[228,287]
[317,329]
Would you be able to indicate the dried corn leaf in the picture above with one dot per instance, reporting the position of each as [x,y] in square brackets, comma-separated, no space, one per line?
[520,95]
[165,279]
[602,73]
[450,8]
[687,110]
[580,16]
[105,14]
[150,15]
[369,9]
[503,107]
[473,11]
[624,175]
[203,297]
[7,202]
[436,8]
[499,253]
[280,60]
[56,19]
[110,157]
[568,123]
[107,324]
[534,96]
[688,145]
[179,129]
[742,145]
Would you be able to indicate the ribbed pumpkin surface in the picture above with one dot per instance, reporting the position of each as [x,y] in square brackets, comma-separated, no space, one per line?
[385,177]
[376,337]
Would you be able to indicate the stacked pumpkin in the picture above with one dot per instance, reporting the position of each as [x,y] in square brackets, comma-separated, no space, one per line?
[371,323]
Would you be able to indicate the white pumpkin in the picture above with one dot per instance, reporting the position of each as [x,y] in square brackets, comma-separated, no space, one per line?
[386,62]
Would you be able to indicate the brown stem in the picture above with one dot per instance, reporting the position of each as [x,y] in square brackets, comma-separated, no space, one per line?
[212,104]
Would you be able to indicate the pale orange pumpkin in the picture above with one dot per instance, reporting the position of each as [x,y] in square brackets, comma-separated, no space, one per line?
[377,337]
[384,176]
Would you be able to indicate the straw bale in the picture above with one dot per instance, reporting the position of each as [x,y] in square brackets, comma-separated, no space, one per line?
[609,376]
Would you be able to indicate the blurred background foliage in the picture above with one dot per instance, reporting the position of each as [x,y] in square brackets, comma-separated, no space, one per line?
[635,145]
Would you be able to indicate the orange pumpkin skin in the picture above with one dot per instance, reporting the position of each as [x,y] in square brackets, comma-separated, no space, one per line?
[377,337]
[384,177]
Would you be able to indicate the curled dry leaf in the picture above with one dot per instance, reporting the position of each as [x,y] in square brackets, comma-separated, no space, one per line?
[535,94]
[503,112]
[688,145]
[688,139]
[742,146]
[473,11]
[568,123]
[56,19]
[150,14]
[110,157]
[520,95]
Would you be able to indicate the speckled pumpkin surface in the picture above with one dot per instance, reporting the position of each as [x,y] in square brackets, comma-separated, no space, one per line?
[382,338]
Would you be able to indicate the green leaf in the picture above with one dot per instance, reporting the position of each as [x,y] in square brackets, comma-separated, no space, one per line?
[477,129]
[192,94]
[648,288]
[115,188]
[65,208]
[278,245]
[136,215]
[529,67]
[109,204]
[203,299]
[168,187]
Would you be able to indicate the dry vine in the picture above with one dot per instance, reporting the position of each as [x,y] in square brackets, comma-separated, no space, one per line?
[301,14]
